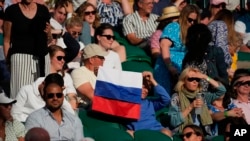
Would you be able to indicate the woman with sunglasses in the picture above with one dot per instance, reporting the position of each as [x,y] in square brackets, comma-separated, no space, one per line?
[30,96]
[184,101]
[240,91]
[10,129]
[216,6]
[192,133]
[104,37]
[172,43]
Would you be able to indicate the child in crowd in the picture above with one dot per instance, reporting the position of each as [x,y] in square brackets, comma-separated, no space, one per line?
[148,107]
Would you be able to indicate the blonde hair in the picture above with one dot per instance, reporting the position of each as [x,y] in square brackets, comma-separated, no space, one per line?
[183,76]
[183,19]
[73,21]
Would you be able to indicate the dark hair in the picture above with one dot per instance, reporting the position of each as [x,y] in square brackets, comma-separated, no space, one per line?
[100,29]
[205,14]
[198,131]
[53,78]
[61,3]
[237,75]
[197,40]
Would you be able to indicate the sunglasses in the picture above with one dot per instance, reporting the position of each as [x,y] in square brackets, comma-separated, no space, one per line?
[222,5]
[241,83]
[191,79]
[59,58]
[76,33]
[52,95]
[90,12]
[109,37]
[100,57]
[192,21]
[187,135]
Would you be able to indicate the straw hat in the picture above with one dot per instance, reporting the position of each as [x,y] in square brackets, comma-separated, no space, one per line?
[169,12]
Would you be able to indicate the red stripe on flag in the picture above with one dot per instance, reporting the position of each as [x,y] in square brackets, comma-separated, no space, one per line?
[116,107]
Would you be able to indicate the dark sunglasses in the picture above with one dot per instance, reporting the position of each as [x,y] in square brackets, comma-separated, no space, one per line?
[59,58]
[76,33]
[192,21]
[90,12]
[191,79]
[187,135]
[222,5]
[52,95]
[109,37]
[100,57]
[241,83]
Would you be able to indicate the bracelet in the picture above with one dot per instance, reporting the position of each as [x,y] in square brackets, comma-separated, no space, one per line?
[225,114]
[208,78]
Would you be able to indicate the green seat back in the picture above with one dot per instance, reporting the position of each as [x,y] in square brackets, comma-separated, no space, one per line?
[111,134]
[218,138]
[150,135]
[90,123]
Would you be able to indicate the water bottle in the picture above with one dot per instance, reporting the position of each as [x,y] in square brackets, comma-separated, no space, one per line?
[198,110]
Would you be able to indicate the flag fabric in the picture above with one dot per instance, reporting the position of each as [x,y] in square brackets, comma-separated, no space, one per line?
[118,93]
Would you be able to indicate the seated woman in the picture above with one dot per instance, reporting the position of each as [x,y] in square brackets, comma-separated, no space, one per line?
[10,129]
[29,97]
[104,37]
[192,133]
[184,102]
[147,119]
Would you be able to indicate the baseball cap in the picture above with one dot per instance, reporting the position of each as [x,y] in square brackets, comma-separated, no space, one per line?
[217,2]
[93,50]
[5,100]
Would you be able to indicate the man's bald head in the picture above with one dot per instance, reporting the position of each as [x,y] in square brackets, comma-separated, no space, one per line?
[37,134]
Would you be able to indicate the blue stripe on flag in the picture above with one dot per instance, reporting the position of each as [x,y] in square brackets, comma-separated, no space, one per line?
[109,90]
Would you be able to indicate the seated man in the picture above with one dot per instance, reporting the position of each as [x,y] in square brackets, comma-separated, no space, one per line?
[140,25]
[84,78]
[60,124]
[147,119]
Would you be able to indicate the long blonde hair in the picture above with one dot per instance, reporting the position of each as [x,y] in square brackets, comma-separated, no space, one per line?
[183,19]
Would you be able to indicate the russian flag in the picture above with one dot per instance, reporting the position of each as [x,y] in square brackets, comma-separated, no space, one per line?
[118,93]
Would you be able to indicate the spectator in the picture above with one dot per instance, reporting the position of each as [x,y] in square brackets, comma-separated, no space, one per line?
[216,6]
[180,4]
[140,25]
[208,59]
[84,78]
[148,107]
[30,96]
[37,134]
[25,43]
[205,16]
[192,133]
[172,43]
[51,117]
[10,129]
[169,14]
[112,12]
[183,102]
[240,89]
[104,37]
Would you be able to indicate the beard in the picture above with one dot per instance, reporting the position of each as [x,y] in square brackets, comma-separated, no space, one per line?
[54,108]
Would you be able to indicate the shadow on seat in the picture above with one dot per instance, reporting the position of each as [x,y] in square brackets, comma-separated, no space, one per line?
[150,135]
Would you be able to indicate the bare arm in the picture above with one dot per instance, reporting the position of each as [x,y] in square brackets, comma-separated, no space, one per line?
[21,139]
[7,34]
[86,90]
[127,9]
[133,39]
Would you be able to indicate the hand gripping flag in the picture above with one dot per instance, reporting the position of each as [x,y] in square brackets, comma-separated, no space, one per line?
[118,93]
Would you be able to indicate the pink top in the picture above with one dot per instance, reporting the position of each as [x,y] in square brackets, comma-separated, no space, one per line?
[155,39]
[245,106]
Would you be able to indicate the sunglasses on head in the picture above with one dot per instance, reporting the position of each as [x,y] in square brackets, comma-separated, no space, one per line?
[90,12]
[191,79]
[74,33]
[100,57]
[187,135]
[109,37]
[52,95]
[241,83]
[59,58]
[192,21]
